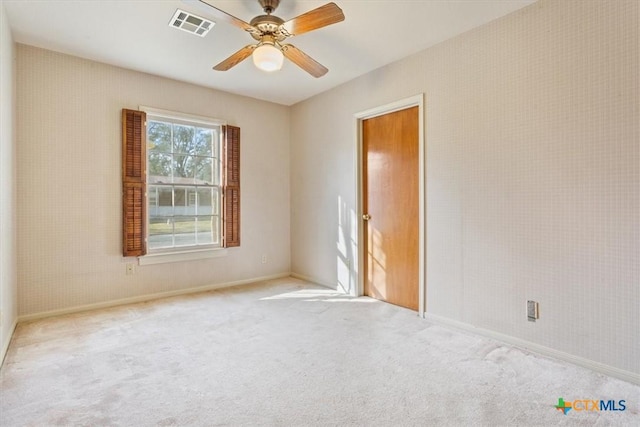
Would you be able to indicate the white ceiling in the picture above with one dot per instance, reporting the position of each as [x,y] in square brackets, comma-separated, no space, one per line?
[135,34]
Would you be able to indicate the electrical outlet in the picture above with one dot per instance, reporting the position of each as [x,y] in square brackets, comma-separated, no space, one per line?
[131,269]
[532,311]
[264,259]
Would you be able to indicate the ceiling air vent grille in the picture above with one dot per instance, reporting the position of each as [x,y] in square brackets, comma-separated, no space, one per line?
[191,23]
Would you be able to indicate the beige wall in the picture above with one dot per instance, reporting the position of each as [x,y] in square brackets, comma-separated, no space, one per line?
[69,206]
[532,176]
[8,281]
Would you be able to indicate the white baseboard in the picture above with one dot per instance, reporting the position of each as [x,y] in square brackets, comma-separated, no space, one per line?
[147,297]
[7,341]
[315,281]
[540,349]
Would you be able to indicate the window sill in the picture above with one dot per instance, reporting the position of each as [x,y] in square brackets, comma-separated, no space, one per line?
[190,255]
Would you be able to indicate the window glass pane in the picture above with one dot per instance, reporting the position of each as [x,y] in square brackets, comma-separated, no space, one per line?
[192,195]
[159,136]
[181,202]
[206,227]
[205,197]
[165,201]
[159,168]
[216,171]
[183,138]
[183,169]
[203,168]
[160,233]
[152,200]
[202,144]
[185,231]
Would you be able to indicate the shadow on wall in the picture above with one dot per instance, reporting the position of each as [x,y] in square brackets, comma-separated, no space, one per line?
[347,249]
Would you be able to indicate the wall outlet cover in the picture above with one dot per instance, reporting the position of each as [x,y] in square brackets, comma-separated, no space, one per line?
[131,269]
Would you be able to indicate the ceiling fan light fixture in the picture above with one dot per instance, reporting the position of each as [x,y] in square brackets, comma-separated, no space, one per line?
[267,57]
[270,31]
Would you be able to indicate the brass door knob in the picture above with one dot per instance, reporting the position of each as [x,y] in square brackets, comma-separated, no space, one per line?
[366,217]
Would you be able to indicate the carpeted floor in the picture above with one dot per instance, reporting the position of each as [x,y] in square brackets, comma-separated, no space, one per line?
[287,353]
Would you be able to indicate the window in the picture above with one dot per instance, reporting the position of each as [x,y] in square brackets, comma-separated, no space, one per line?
[184,177]
[189,169]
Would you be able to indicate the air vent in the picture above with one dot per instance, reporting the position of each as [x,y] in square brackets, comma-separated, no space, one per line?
[191,23]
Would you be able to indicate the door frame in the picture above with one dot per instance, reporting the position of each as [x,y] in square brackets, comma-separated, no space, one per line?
[413,101]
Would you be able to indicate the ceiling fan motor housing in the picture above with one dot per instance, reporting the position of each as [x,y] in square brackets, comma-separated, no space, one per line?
[270,31]
[267,25]
[269,5]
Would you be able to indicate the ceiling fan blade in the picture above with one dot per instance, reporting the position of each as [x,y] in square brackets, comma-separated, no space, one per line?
[304,61]
[236,58]
[320,17]
[220,15]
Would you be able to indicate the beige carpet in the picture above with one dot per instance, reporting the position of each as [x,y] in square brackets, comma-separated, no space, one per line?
[284,353]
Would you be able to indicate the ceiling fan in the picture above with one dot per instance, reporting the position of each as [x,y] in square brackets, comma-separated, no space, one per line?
[271,31]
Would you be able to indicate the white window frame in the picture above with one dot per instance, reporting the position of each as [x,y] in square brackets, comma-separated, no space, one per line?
[193,252]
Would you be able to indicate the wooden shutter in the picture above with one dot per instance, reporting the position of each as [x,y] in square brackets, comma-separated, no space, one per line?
[134,177]
[231,206]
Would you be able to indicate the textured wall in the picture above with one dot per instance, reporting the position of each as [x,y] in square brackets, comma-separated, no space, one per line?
[532,168]
[8,291]
[69,137]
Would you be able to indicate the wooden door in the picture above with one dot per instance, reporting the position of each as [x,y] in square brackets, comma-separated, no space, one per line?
[390,201]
